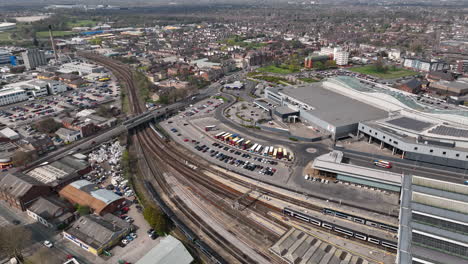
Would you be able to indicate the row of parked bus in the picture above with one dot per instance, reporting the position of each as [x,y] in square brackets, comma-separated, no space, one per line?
[268,151]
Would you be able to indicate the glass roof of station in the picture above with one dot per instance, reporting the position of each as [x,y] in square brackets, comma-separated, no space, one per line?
[409,101]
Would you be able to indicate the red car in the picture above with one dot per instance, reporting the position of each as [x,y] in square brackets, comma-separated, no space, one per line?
[125,209]
[186,140]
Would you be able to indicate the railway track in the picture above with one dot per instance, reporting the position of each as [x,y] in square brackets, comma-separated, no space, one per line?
[149,144]
[213,190]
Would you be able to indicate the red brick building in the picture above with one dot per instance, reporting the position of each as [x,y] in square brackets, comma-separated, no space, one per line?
[20,190]
[412,86]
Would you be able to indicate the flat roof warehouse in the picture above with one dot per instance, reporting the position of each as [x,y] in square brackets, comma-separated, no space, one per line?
[325,109]
[332,107]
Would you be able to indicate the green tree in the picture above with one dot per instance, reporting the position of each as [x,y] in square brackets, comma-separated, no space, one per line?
[156,219]
[82,209]
[128,162]
[47,125]
[330,64]
[319,65]
[96,41]
[164,99]
[379,66]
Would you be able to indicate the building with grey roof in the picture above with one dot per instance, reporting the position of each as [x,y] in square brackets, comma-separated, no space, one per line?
[456,88]
[332,164]
[51,212]
[297,246]
[325,109]
[433,222]
[60,172]
[168,251]
[101,201]
[20,190]
[95,233]
[68,135]
[422,140]
[33,58]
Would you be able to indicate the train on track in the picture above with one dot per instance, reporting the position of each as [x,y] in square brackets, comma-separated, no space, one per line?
[339,229]
[207,250]
[360,220]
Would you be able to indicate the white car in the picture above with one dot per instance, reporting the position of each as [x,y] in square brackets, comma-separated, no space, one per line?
[48,244]
[133,235]
[125,241]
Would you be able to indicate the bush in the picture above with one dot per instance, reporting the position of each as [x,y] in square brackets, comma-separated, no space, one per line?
[156,219]
[293,139]
[82,209]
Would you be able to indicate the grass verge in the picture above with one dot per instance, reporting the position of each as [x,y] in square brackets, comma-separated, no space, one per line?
[390,74]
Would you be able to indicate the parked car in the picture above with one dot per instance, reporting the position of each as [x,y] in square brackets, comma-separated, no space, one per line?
[48,244]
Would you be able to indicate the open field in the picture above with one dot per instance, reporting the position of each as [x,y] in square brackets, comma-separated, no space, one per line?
[82,23]
[390,74]
[45,34]
[4,36]
[275,69]
[309,80]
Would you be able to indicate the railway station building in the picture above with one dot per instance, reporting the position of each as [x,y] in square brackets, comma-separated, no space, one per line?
[332,165]
[419,139]
[433,222]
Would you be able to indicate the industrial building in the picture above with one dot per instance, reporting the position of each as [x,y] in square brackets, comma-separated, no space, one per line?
[81,67]
[169,250]
[95,233]
[451,88]
[326,110]
[33,58]
[86,193]
[332,165]
[423,140]
[433,222]
[61,172]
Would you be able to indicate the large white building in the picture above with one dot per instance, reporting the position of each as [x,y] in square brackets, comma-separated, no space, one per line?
[11,96]
[21,91]
[340,56]
[394,55]
[425,65]
[6,26]
[81,67]
[55,87]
